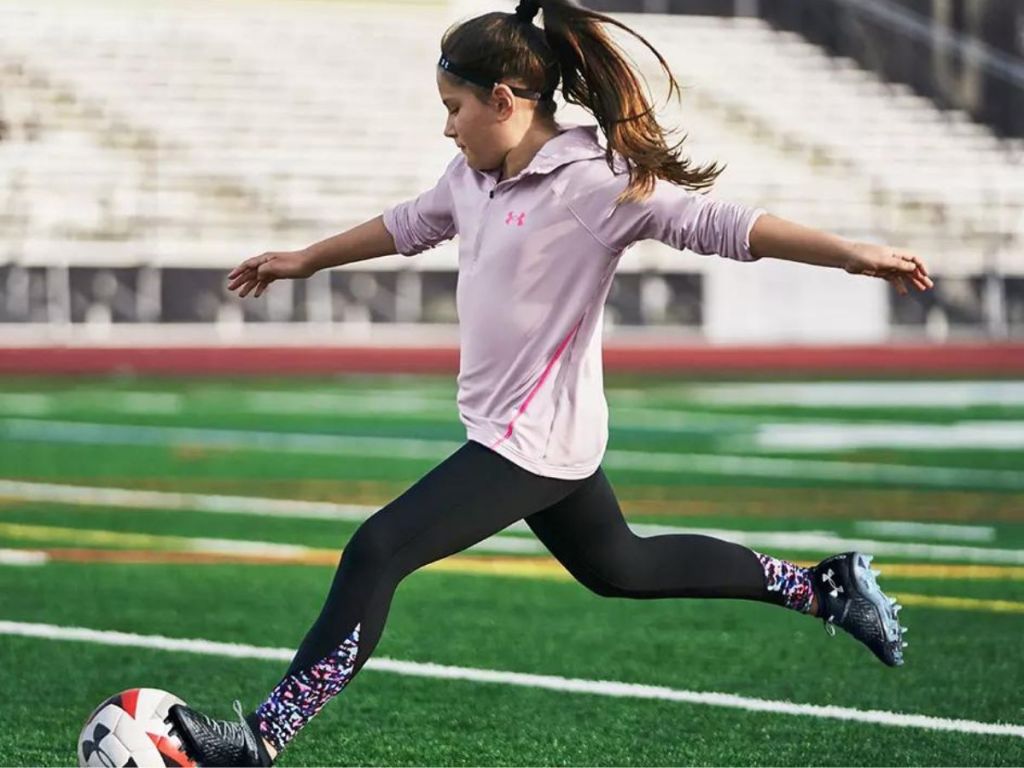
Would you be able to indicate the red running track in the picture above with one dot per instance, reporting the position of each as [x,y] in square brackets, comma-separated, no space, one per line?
[1003,359]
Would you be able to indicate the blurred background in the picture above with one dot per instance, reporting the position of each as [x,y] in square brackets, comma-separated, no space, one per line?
[177,462]
[146,148]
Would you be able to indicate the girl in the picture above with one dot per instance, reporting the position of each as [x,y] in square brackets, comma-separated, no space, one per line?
[544,214]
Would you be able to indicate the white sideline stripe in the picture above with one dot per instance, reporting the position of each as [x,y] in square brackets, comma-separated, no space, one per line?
[809,469]
[927,530]
[29,404]
[419,407]
[235,439]
[858,394]
[236,505]
[670,420]
[806,541]
[653,419]
[843,436]
[25,403]
[845,394]
[23,557]
[239,505]
[664,419]
[546,682]
[324,402]
[436,450]
[242,547]
[146,402]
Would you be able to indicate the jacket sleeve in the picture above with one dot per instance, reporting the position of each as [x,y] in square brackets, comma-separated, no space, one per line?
[681,219]
[428,219]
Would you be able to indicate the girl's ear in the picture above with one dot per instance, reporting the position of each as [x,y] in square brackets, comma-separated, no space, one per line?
[502,100]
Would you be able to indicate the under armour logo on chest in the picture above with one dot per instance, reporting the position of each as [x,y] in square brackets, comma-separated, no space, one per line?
[518,218]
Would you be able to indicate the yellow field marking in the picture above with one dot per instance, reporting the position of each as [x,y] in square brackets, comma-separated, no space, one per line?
[962,603]
[541,567]
[973,572]
[86,536]
[523,567]
[538,566]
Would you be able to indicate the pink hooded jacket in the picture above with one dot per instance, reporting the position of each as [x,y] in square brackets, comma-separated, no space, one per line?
[537,253]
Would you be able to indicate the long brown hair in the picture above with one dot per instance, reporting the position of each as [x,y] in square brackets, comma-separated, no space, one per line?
[595,74]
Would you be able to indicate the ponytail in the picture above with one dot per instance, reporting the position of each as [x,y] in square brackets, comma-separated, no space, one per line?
[595,74]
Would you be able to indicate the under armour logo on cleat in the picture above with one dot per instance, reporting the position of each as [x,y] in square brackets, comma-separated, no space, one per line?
[520,218]
[836,589]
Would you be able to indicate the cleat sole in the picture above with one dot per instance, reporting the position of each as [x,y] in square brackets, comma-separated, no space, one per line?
[887,608]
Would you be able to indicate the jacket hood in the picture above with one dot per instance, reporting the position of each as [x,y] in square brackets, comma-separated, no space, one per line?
[573,142]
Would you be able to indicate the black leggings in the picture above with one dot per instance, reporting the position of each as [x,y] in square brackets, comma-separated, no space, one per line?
[474,494]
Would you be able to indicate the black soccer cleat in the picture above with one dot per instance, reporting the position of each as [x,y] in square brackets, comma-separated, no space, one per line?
[217,742]
[849,596]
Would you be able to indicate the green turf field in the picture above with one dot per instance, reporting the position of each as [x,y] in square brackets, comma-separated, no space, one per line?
[214,510]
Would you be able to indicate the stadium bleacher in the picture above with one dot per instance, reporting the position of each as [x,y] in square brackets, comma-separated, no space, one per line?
[188,135]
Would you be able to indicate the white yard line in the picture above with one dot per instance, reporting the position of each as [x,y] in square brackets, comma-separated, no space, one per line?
[845,436]
[200,502]
[25,404]
[906,529]
[811,469]
[144,403]
[342,403]
[802,432]
[544,682]
[40,430]
[23,557]
[798,541]
[856,394]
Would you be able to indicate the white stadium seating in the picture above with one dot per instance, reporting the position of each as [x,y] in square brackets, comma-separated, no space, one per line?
[178,133]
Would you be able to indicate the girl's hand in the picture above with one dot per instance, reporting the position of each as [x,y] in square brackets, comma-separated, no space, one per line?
[892,264]
[260,271]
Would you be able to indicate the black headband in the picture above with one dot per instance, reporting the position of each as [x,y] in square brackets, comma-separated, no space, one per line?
[485,82]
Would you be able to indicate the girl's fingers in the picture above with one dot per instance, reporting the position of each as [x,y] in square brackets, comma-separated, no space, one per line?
[913,268]
[899,263]
[916,262]
[919,277]
[242,280]
[249,264]
[243,267]
[253,284]
[239,274]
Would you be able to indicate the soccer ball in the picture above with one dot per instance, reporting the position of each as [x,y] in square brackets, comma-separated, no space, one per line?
[129,730]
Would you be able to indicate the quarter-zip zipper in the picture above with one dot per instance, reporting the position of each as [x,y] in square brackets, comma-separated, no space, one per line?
[480,226]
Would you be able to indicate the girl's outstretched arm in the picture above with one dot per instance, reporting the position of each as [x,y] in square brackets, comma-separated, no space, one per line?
[772,237]
[366,241]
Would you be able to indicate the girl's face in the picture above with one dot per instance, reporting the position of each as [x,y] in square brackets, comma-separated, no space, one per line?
[484,132]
